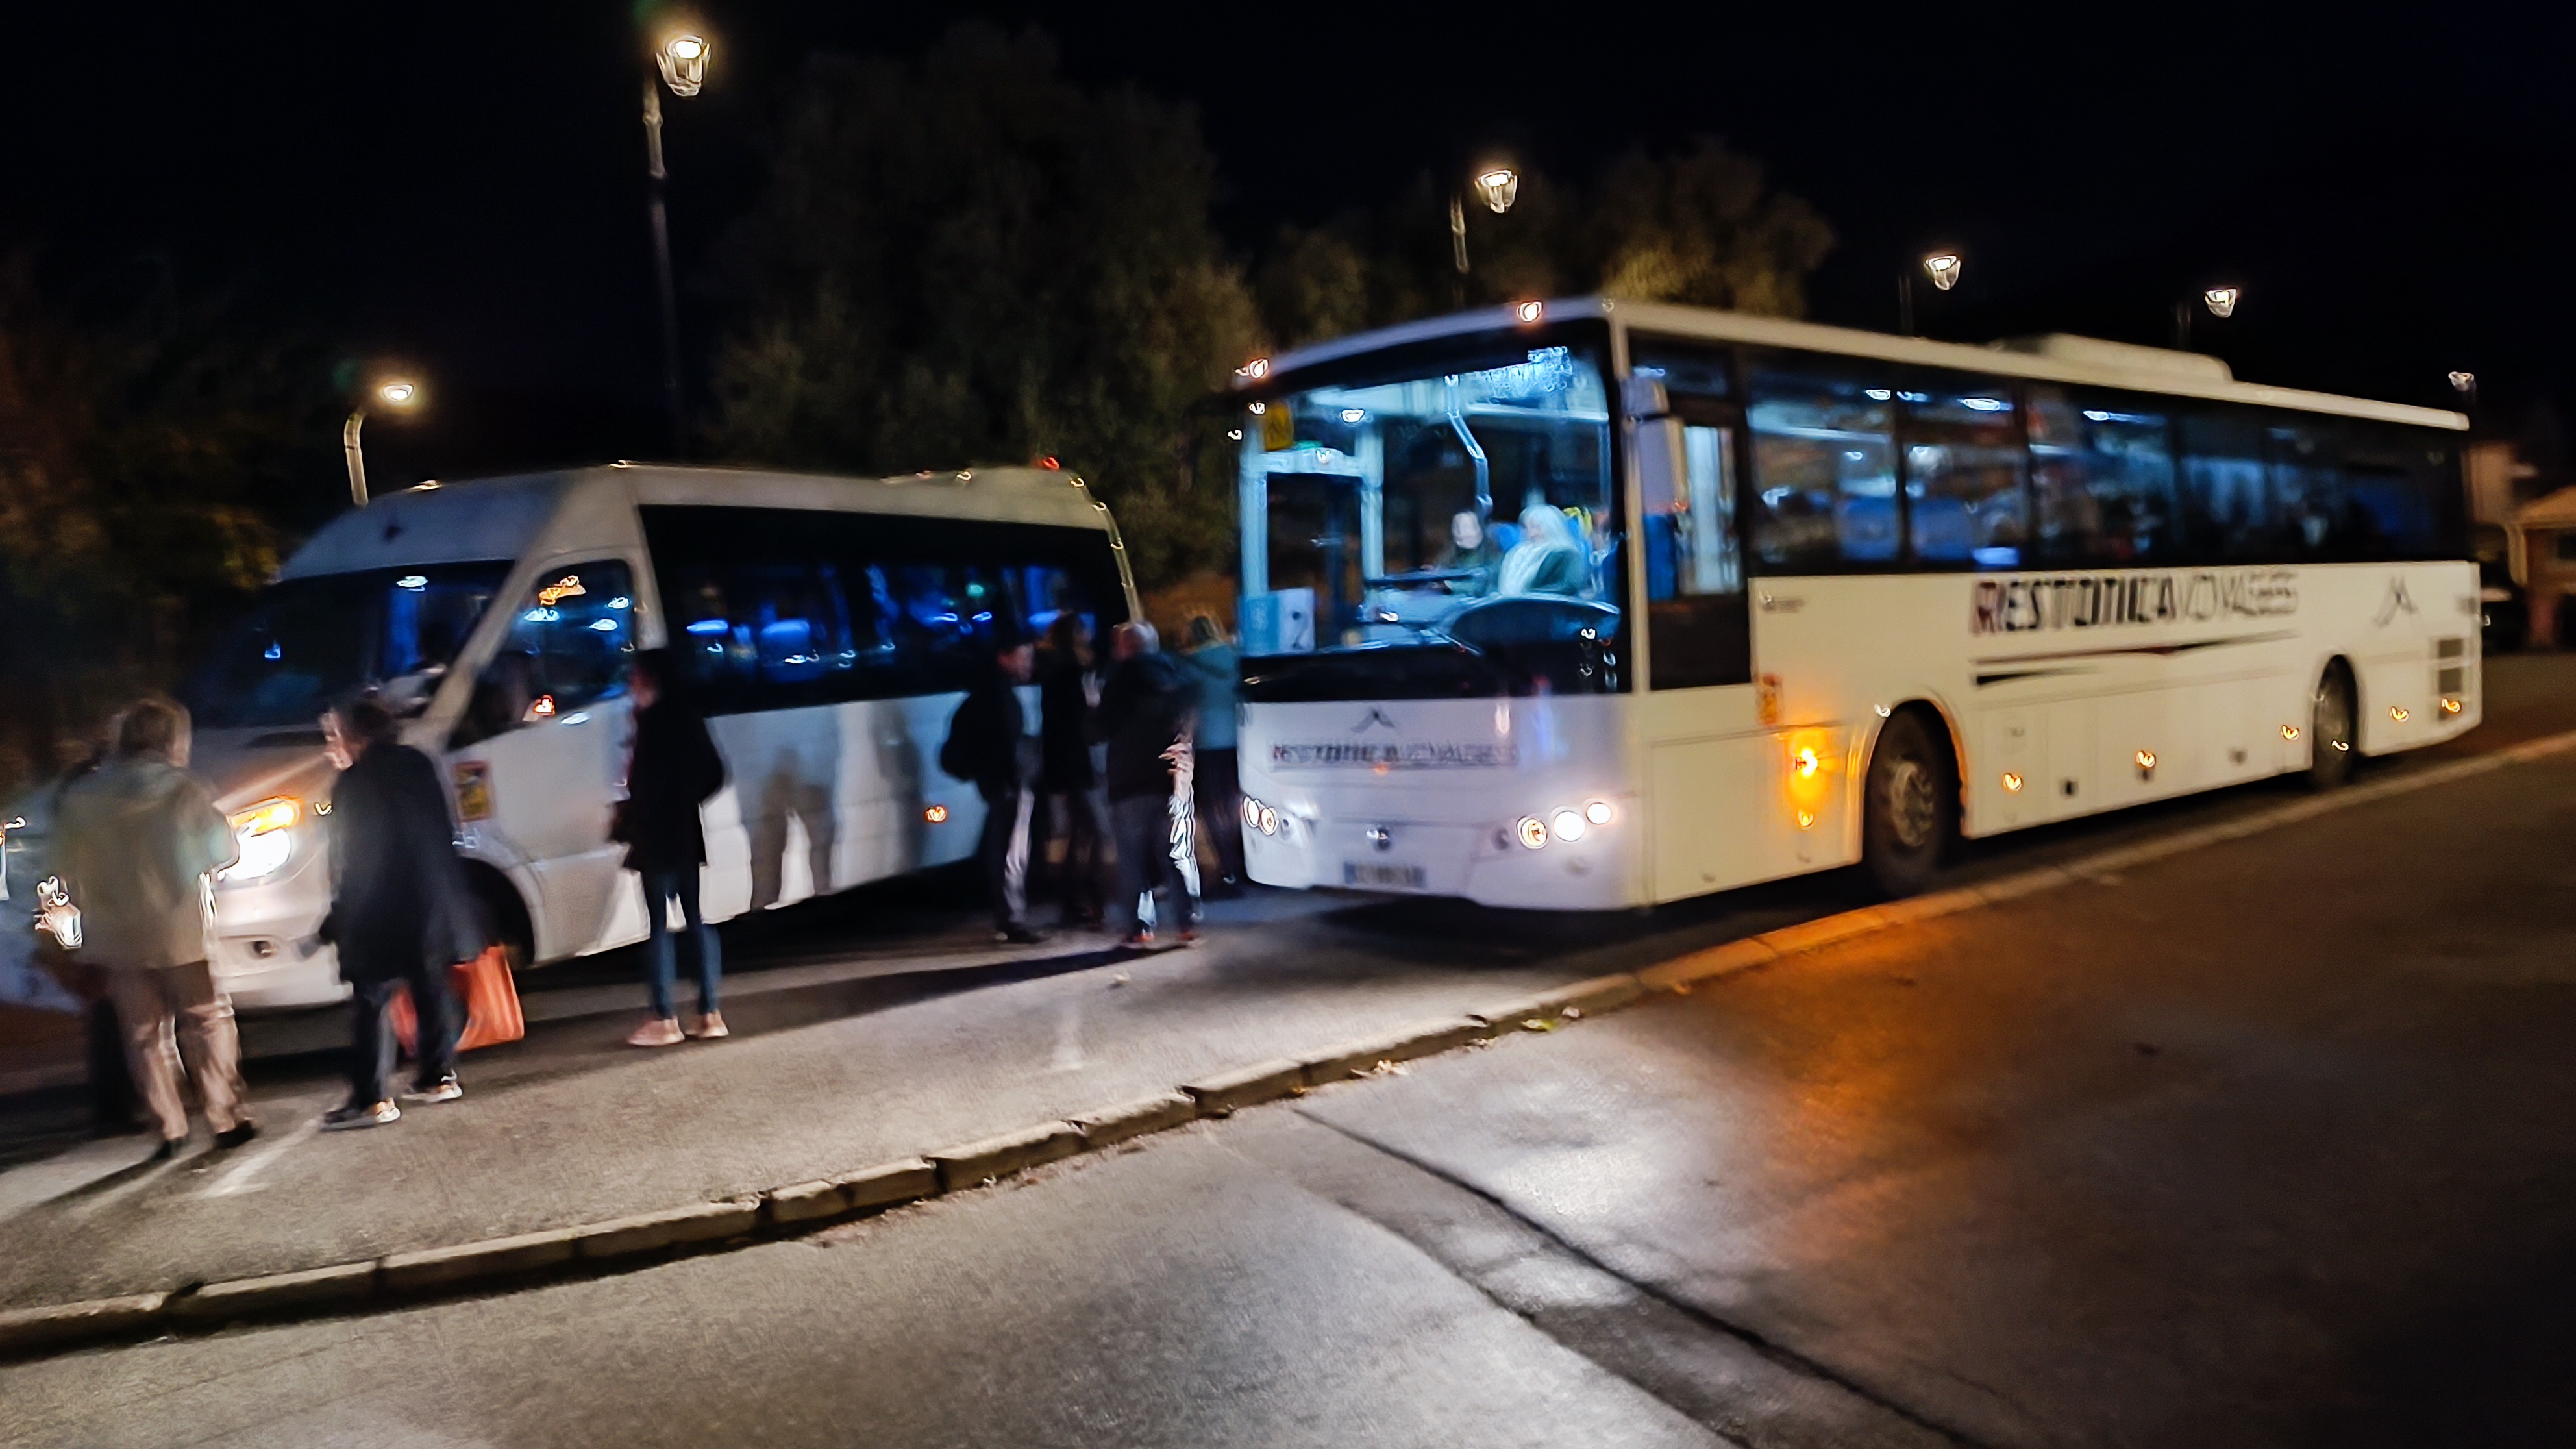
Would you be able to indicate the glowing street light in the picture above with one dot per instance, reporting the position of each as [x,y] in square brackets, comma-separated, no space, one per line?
[1941,267]
[1497,186]
[399,394]
[682,59]
[2466,385]
[2221,300]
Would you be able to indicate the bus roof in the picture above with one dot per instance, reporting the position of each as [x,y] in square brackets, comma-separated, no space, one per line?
[2055,358]
[497,518]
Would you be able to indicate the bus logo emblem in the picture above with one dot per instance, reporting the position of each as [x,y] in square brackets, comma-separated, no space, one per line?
[1375,716]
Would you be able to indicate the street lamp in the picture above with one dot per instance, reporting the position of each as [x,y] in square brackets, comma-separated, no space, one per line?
[682,59]
[2466,385]
[2221,302]
[1495,186]
[401,395]
[1942,268]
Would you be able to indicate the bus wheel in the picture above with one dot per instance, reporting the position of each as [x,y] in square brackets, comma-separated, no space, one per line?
[505,920]
[1911,809]
[2330,729]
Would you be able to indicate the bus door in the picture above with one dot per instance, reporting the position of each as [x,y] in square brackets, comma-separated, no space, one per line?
[1698,630]
[540,754]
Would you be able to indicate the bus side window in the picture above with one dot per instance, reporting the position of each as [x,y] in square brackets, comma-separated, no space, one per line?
[2103,471]
[1824,465]
[1963,475]
[567,649]
[2232,511]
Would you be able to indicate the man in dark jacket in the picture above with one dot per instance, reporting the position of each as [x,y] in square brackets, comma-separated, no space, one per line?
[1068,688]
[1147,707]
[675,768]
[400,910]
[989,743]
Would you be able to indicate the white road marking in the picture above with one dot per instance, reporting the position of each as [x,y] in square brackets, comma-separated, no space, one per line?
[242,1173]
[1068,1037]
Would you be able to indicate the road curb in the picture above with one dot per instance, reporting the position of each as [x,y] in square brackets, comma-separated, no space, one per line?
[787,1211]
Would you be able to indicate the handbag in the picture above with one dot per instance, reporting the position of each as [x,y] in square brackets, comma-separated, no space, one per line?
[483,989]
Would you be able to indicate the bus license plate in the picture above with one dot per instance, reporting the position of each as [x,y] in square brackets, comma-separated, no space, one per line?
[1382,876]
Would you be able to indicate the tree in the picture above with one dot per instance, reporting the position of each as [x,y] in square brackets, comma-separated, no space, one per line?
[146,452]
[1700,226]
[971,259]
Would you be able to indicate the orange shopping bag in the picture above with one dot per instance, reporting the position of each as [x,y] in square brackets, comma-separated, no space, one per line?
[485,992]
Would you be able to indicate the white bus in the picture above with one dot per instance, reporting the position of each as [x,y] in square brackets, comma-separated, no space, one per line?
[1592,604]
[828,626]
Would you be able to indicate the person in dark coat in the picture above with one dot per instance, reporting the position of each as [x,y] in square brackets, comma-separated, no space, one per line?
[1077,810]
[1147,707]
[401,913]
[674,770]
[990,744]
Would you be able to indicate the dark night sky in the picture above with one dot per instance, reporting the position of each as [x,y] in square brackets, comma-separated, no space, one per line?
[460,185]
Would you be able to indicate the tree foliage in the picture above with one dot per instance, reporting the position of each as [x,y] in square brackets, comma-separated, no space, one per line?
[1700,226]
[147,454]
[970,259]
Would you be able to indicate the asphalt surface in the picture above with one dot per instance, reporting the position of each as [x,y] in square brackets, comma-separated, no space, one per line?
[2260,1144]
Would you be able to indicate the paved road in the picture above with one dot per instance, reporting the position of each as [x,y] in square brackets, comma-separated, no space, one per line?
[2261,1144]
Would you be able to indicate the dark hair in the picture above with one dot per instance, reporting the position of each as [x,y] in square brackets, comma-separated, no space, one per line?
[364,717]
[152,725]
[655,667]
[1205,630]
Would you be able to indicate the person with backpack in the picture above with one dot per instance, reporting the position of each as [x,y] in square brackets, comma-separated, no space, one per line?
[1147,708]
[991,745]
[138,838]
[674,769]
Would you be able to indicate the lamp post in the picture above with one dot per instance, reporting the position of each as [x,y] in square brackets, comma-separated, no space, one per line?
[2221,302]
[1495,186]
[2466,385]
[682,59]
[399,394]
[1942,268]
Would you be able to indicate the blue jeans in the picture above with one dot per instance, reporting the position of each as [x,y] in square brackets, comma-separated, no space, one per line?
[661,887]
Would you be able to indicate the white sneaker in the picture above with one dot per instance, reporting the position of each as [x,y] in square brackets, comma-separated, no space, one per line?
[661,1031]
[710,1027]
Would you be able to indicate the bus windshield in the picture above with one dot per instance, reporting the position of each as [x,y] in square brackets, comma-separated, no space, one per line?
[1400,506]
[310,640]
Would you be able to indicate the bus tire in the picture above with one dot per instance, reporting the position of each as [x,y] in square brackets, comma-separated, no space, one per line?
[505,916]
[2334,713]
[1909,805]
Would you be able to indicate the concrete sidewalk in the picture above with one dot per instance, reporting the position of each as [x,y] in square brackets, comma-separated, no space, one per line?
[570,1126]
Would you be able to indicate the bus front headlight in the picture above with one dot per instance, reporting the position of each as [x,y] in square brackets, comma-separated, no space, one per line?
[262,838]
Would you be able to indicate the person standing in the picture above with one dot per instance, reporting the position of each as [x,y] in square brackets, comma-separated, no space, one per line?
[139,836]
[990,743]
[1216,666]
[1145,710]
[674,770]
[400,912]
[1077,812]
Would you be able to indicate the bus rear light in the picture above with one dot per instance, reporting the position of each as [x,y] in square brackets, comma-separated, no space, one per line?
[1532,832]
